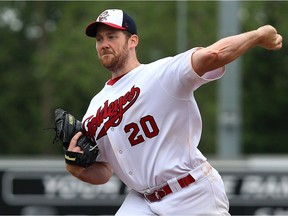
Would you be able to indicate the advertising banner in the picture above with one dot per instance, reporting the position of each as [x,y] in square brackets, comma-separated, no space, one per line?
[49,189]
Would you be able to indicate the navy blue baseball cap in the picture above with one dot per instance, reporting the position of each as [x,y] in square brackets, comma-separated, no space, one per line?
[115,18]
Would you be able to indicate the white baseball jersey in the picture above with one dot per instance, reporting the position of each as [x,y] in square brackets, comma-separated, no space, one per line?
[147,124]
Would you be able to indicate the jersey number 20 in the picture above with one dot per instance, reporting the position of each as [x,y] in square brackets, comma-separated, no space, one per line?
[148,126]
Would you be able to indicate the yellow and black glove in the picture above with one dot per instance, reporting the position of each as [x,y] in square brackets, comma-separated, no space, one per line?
[66,126]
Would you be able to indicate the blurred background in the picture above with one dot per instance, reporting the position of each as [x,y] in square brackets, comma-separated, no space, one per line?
[46,62]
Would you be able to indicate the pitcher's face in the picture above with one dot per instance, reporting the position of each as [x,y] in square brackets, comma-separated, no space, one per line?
[112,47]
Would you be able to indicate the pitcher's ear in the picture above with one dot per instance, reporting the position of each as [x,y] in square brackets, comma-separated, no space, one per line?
[134,40]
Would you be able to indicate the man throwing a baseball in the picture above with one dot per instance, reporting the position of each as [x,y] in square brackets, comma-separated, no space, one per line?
[146,122]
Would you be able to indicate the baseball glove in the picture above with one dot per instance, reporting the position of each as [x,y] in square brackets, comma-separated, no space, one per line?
[66,126]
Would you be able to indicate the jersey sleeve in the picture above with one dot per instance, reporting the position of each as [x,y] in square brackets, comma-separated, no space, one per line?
[180,78]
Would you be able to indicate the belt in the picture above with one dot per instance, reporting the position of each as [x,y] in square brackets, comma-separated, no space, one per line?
[158,194]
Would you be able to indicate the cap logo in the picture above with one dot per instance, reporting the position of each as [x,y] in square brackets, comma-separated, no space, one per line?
[103,16]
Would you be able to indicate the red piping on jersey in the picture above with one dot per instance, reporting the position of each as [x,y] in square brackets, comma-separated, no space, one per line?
[113,81]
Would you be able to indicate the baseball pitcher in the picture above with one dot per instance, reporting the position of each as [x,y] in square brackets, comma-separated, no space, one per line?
[146,124]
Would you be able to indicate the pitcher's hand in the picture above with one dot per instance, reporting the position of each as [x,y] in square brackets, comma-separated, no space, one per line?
[269,38]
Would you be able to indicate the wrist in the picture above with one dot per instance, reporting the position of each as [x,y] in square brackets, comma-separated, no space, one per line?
[259,35]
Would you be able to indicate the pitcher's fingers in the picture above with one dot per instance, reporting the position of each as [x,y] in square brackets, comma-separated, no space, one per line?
[279,39]
[74,140]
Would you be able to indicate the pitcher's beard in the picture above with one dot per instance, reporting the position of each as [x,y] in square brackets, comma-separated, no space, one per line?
[116,62]
[111,63]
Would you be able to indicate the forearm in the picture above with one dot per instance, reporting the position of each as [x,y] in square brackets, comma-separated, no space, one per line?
[97,173]
[223,51]
[230,48]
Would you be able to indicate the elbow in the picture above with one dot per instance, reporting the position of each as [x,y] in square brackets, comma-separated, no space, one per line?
[107,173]
[100,181]
[205,60]
[95,181]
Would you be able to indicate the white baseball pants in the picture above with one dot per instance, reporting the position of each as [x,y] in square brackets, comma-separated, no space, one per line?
[206,196]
